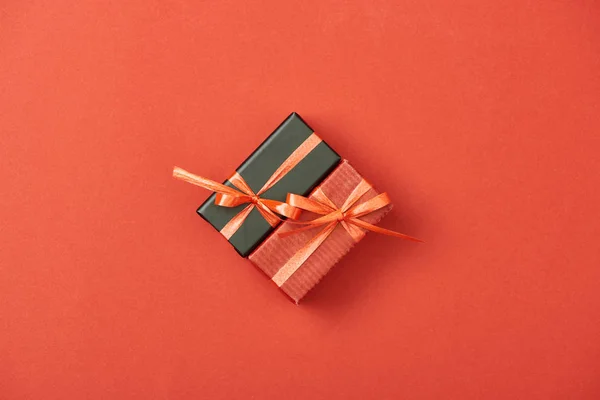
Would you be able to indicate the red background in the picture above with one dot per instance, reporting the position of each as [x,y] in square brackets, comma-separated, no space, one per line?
[480,120]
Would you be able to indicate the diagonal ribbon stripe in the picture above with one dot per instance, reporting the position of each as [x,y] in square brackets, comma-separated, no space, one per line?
[243,194]
[348,216]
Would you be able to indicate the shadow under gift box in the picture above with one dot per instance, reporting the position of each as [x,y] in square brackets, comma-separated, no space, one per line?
[276,251]
[259,167]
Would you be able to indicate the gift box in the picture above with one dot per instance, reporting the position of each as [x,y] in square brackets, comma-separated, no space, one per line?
[293,159]
[297,256]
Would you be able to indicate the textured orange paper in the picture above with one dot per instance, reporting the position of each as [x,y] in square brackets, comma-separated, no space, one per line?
[481,120]
[276,251]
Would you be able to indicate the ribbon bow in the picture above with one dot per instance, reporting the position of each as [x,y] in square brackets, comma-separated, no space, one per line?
[348,215]
[243,194]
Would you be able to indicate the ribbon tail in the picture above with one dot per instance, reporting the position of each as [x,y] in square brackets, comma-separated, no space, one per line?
[234,224]
[292,265]
[354,231]
[203,182]
[267,214]
[383,231]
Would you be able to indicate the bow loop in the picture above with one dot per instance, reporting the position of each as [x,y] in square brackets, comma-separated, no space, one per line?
[307,204]
[376,203]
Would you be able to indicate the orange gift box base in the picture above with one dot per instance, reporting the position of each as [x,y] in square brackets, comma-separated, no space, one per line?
[276,250]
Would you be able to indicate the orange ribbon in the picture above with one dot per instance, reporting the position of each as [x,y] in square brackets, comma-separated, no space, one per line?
[243,194]
[347,215]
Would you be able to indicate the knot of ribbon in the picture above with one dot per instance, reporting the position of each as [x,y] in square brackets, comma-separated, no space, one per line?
[348,215]
[243,194]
